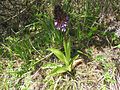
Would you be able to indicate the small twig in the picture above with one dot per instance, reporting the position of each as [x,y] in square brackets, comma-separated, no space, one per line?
[35,74]
[57,83]
[14,16]
[33,47]
[108,41]
[18,13]
[46,56]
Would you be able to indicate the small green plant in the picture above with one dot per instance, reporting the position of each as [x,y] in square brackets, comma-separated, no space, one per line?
[108,67]
[64,58]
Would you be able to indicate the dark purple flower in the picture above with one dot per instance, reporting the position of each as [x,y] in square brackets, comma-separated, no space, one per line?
[61,25]
[61,18]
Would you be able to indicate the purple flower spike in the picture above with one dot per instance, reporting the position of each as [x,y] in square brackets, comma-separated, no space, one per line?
[61,25]
[61,18]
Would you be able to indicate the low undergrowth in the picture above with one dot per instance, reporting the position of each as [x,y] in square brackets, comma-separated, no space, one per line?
[84,57]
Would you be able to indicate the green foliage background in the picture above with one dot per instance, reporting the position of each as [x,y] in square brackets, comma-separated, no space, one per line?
[27,31]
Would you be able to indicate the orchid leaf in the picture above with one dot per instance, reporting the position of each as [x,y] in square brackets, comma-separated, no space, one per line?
[59,55]
[51,65]
[58,70]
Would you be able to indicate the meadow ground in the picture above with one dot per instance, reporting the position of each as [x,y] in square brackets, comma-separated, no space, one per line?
[80,52]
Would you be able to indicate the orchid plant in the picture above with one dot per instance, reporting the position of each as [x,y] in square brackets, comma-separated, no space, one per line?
[60,22]
[66,60]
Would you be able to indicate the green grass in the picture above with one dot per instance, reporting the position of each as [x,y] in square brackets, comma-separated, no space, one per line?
[22,55]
